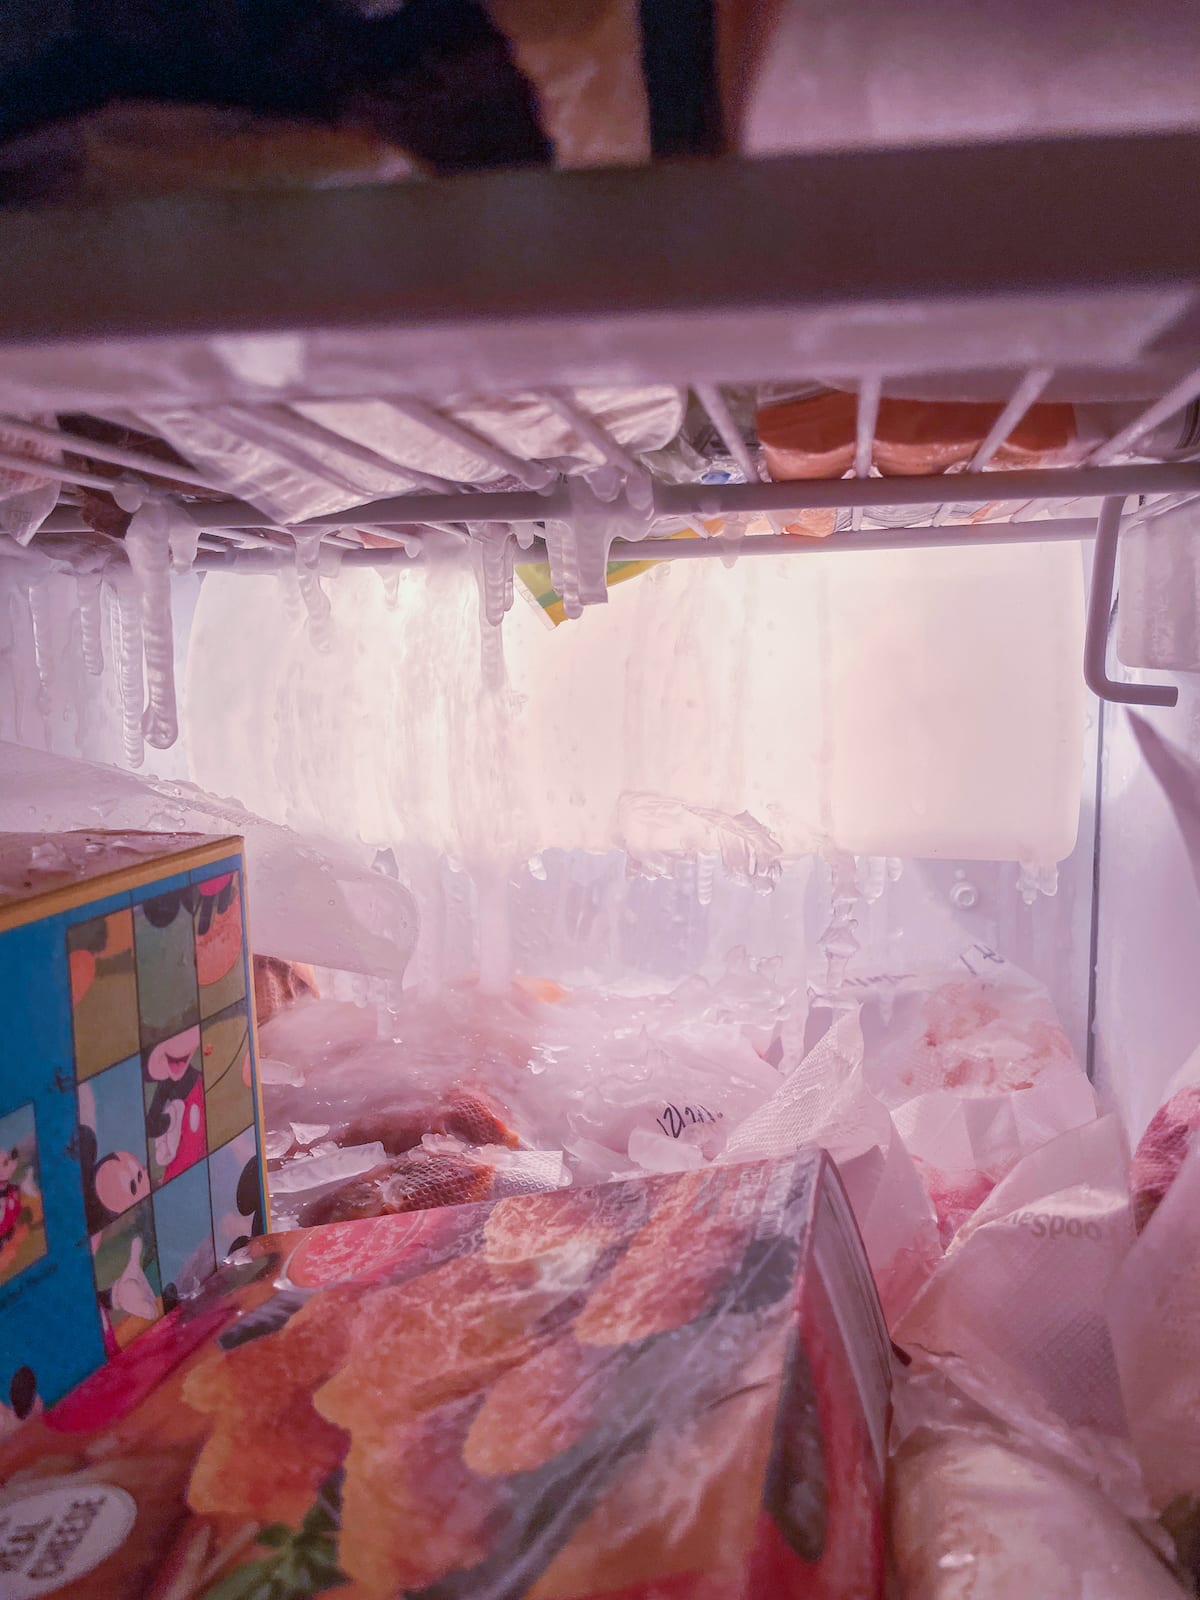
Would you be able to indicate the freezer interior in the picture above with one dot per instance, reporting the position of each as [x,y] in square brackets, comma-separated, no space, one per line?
[667,728]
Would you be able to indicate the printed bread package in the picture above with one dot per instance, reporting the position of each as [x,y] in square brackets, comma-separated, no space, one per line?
[670,1386]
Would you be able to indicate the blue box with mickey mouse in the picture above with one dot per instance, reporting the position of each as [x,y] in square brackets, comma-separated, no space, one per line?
[130,1151]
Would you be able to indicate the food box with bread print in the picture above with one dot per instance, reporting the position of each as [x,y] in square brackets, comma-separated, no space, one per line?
[129,1142]
[665,1388]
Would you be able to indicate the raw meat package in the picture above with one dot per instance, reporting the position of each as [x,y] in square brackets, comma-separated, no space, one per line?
[667,1388]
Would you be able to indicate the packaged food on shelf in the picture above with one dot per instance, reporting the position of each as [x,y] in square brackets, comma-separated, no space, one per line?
[814,435]
[673,1384]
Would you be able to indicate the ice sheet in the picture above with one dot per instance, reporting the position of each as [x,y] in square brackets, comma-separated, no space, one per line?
[308,901]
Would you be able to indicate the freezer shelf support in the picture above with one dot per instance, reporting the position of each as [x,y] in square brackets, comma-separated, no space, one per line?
[1099,619]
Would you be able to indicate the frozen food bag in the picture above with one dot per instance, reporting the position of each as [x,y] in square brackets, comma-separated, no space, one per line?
[675,1386]
[1024,1286]
[976,1517]
[1154,1316]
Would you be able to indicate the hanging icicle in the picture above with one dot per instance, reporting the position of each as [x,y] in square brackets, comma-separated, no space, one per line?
[88,587]
[127,628]
[316,602]
[148,544]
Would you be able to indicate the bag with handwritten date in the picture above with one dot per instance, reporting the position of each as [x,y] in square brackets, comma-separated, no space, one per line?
[672,1387]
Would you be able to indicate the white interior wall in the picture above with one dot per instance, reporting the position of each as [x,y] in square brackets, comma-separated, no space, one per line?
[1147,1012]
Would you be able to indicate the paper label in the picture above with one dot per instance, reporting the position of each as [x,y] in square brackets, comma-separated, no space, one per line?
[48,1540]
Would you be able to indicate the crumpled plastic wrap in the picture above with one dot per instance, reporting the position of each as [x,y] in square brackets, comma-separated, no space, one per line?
[26,499]
[974,1071]
[667,1386]
[268,456]
[977,1073]
[825,1101]
[1025,1285]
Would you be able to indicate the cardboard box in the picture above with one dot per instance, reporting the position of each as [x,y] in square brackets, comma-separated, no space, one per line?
[666,1388]
[129,1145]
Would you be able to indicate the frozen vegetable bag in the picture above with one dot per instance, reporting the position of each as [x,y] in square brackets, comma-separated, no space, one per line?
[668,1388]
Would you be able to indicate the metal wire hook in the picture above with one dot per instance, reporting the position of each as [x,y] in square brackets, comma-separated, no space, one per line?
[1099,617]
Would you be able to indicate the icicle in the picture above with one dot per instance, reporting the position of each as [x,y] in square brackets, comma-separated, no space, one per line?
[564,570]
[895,869]
[316,601]
[148,545]
[731,540]
[492,549]
[490,588]
[872,872]
[706,868]
[128,651]
[537,869]
[839,943]
[1032,881]
[605,482]
[390,578]
[39,618]
[289,589]
[183,536]
[639,490]
[87,588]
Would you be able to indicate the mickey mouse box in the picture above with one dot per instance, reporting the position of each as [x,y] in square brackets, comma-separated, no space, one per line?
[129,1120]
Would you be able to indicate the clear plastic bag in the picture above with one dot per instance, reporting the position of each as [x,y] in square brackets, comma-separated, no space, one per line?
[1154,1315]
[974,1517]
[1024,1287]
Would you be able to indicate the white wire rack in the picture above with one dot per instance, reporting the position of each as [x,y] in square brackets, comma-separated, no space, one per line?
[237,537]
[808,263]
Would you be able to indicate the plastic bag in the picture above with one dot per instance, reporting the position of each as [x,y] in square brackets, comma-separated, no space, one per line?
[825,1101]
[618,1082]
[974,1447]
[1024,1286]
[301,461]
[1154,1315]
[977,1073]
[26,499]
[976,1518]
[1172,1133]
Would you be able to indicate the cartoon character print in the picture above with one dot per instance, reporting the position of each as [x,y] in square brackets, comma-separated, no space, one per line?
[218,928]
[10,1195]
[249,1204]
[22,1223]
[112,1183]
[22,1401]
[175,1114]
